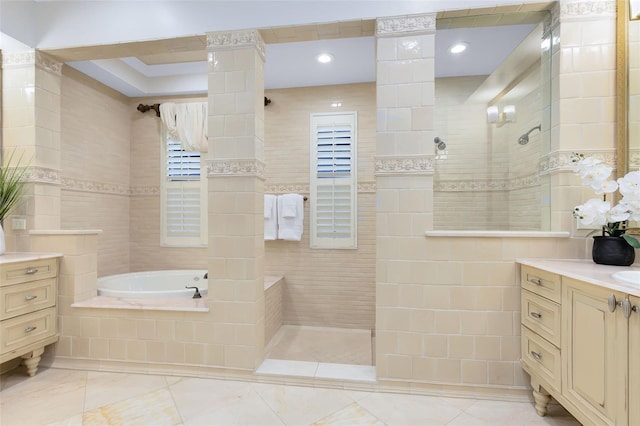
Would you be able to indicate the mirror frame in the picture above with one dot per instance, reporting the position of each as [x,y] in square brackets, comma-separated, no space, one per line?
[622,95]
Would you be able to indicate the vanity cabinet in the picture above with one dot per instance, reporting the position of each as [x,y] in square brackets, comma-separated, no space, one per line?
[634,361]
[595,354]
[28,314]
[580,343]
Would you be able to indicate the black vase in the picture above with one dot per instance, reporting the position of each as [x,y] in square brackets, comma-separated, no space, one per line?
[609,250]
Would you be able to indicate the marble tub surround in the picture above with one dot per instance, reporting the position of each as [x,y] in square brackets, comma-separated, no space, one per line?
[586,270]
[93,398]
[161,304]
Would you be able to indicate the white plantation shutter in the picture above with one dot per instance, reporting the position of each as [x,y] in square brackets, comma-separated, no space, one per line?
[182,197]
[333,188]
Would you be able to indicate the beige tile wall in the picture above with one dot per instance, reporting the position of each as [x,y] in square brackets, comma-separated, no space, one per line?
[95,163]
[330,288]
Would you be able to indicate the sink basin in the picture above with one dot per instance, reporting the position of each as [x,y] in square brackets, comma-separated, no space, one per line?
[627,277]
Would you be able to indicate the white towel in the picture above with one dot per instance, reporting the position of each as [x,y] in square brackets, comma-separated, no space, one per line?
[290,207]
[270,217]
[290,228]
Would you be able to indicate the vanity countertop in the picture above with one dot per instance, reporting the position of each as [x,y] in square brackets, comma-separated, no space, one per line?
[12,257]
[588,271]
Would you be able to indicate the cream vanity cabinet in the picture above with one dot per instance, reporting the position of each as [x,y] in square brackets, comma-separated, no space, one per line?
[581,343]
[28,315]
[634,361]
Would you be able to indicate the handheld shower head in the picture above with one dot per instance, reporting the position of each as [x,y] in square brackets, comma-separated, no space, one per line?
[440,144]
[524,139]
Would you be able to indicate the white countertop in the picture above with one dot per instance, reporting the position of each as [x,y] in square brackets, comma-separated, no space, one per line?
[588,271]
[13,257]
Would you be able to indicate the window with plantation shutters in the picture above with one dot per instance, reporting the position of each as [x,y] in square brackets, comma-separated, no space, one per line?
[333,182]
[183,219]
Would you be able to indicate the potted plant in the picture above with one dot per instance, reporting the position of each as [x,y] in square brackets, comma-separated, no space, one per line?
[614,246]
[11,189]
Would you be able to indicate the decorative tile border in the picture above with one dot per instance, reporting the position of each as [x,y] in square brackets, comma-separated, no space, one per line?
[236,39]
[401,165]
[31,57]
[235,167]
[303,188]
[43,175]
[528,181]
[561,160]
[586,9]
[95,187]
[413,24]
[144,191]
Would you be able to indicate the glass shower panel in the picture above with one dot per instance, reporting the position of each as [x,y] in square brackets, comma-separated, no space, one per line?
[496,129]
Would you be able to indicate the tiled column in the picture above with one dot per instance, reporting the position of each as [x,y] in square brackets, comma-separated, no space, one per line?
[583,102]
[404,175]
[31,126]
[235,169]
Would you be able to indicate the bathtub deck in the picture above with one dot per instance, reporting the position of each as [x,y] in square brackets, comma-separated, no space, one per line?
[168,304]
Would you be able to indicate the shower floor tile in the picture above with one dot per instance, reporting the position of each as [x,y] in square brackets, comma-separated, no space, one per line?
[321,344]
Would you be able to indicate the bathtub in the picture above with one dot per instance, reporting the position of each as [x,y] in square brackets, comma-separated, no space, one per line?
[153,284]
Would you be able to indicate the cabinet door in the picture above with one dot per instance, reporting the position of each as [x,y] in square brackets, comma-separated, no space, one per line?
[634,362]
[594,352]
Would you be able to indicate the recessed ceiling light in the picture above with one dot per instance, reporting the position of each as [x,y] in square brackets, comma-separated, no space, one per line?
[459,47]
[324,58]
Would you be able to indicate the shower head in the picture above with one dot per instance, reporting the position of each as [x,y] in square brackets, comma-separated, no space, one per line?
[440,144]
[524,139]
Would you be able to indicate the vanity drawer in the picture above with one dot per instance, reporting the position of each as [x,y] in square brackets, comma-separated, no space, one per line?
[21,272]
[27,329]
[541,316]
[543,283]
[542,358]
[29,297]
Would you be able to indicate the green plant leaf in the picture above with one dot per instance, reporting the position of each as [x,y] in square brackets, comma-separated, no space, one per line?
[632,241]
[11,185]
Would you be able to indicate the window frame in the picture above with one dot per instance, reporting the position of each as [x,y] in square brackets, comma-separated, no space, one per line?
[167,240]
[343,175]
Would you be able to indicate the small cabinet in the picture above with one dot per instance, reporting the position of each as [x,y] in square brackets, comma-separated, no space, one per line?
[594,355]
[634,361]
[28,313]
[581,342]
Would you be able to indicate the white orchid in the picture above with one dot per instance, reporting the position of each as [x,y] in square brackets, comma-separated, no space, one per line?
[599,212]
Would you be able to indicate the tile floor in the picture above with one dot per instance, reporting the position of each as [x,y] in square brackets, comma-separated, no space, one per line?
[321,344]
[71,397]
[57,396]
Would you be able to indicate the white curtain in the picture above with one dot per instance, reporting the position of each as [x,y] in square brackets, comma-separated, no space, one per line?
[187,122]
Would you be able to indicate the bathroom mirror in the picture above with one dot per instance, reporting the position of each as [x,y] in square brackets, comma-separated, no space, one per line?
[491,127]
[628,85]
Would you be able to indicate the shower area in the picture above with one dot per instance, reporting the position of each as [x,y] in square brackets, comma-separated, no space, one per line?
[493,129]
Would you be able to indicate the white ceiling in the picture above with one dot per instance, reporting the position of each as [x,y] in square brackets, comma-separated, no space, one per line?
[60,25]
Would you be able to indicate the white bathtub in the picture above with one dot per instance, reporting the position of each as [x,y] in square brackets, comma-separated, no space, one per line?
[153,284]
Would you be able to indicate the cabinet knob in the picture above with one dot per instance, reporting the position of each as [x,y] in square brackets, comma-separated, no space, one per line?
[536,355]
[537,315]
[613,303]
[30,329]
[31,271]
[626,308]
[536,281]
[30,297]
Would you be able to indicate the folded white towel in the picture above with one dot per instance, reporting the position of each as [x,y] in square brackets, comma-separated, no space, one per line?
[269,204]
[289,207]
[290,228]
[270,217]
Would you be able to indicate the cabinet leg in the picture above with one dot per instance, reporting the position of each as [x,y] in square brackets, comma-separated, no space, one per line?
[542,399]
[31,361]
